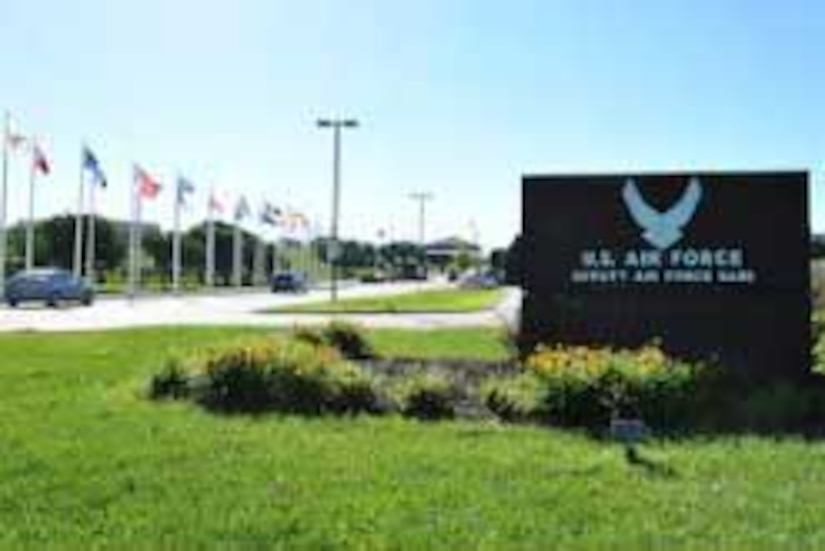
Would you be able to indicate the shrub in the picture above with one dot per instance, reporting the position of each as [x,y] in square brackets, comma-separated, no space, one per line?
[779,406]
[349,339]
[279,375]
[172,381]
[309,335]
[516,398]
[321,383]
[427,396]
[587,387]
[237,377]
[818,338]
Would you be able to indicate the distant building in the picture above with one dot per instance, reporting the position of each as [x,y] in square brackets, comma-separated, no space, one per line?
[443,252]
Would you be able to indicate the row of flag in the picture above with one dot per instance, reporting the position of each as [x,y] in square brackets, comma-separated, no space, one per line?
[270,215]
[145,188]
[16,142]
[149,188]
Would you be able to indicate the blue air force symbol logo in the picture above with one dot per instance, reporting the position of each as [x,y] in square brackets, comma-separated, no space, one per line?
[662,229]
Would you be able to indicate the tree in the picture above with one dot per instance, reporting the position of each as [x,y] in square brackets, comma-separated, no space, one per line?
[404,258]
[498,262]
[224,254]
[55,241]
[110,246]
[193,251]
[158,246]
[55,245]
[514,272]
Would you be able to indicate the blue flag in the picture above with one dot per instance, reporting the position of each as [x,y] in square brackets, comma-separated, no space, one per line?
[241,209]
[185,187]
[91,164]
[270,215]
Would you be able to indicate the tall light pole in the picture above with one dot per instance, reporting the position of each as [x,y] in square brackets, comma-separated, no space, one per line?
[333,252]
[422,197]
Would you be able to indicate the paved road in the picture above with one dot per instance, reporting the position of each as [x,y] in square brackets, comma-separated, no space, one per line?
[239,309]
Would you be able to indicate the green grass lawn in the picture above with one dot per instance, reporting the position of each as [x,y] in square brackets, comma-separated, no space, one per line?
[430,301]
[87,461]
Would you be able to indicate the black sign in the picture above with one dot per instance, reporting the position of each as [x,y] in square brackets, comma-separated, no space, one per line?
[713,266]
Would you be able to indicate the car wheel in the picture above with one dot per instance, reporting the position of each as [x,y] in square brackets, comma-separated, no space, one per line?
[51,302]
[12,302]
[87,300]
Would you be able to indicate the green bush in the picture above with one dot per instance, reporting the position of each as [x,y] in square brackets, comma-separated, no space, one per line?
[818,338]
[426,396]
[238,377]
[310,335]
[779,406]
[349,339]
[586,387]
[279,375]
[172,381]
[518,398]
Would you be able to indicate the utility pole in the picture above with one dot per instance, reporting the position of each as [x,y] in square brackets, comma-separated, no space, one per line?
[336,125]
[422,197]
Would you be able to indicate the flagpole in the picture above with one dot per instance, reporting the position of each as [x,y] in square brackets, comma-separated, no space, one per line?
[257,261]
[237,250]
[271,267]
[176,244]
[308,247]
[78,224]
[210,244]
[30,226]
[302,255]
[90,252]
[133,241]
[138,244]
[4,201]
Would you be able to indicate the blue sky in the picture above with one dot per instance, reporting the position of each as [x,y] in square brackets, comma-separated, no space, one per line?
[458,97]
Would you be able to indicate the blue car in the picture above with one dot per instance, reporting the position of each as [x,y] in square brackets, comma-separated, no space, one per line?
[291,282]
[49,285]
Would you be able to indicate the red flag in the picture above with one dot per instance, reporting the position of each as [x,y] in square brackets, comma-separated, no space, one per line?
[39,160]
[215,205]
[148,187]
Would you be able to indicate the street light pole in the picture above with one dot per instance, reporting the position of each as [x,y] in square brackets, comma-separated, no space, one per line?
[333,252]
[422,198]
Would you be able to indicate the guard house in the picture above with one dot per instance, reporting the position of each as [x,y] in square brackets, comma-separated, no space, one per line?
[443,252]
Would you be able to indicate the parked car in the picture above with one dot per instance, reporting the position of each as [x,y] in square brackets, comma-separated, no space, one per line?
[412,272]
[479,281]
[294,282]
[374,276]
[49,285]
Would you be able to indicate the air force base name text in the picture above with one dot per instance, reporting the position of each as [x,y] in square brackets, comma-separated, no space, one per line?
[672,266]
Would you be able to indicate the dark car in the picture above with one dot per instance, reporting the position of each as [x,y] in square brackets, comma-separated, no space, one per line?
[49,285]
[294,282]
